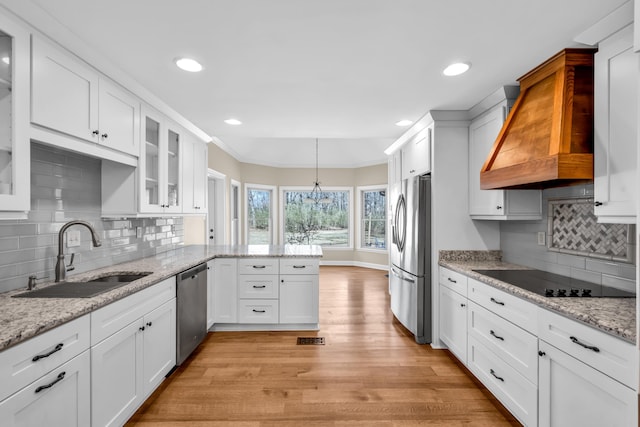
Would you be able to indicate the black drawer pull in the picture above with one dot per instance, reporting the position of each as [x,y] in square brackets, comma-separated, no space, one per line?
[42,356]
[51,384]
[496,301]
[451,280]
[260,266]
[299,266]
[463,304]
[497,336]
[259,311]
[494,374]
[590,347]
[259,286]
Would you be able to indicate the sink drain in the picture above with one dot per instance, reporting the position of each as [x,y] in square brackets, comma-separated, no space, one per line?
[310,341]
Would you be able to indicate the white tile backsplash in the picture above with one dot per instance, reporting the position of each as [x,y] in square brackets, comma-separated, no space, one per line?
[66,186]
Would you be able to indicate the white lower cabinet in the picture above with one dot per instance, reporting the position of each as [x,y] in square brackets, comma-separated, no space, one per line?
[574,394]
[545,368]
[453,322]
[59,398]
[131,362]
[299,298]
[225,290]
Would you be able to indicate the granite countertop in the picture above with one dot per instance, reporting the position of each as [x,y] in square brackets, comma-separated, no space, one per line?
[615,316]
[23,318]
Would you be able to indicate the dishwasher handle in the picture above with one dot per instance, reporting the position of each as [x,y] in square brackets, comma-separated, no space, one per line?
[192,272]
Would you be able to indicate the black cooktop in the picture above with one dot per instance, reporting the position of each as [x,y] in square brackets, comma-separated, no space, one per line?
[554,285]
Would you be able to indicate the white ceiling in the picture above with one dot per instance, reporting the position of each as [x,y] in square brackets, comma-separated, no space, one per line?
[343,71]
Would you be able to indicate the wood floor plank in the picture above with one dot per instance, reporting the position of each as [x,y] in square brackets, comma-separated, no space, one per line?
[370,372]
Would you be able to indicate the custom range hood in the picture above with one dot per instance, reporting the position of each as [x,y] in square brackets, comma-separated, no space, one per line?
[547,139]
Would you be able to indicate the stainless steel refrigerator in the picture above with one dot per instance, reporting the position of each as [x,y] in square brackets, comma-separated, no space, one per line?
[410,256]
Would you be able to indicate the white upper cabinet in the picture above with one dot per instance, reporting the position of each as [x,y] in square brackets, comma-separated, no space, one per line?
[416,154]
[616,129]
[72,98]
[14,118]
[194,178]
[495,204]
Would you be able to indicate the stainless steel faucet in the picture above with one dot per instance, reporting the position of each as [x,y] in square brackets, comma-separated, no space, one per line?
[61,268]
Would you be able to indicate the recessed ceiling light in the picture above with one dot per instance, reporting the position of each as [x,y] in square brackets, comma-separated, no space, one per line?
[189,64]
[456,69]
[403,123]
[6,60]
[233,122]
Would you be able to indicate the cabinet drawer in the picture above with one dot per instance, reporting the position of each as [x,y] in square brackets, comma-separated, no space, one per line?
[604,352]
[299,266]
[115,316]
[50,350]
[258,311]
[516,310]
[258,266]
[454,280]
[257,287]
[514,345]
[512,389]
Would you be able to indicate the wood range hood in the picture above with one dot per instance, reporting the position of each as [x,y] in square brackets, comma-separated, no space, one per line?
[547,139]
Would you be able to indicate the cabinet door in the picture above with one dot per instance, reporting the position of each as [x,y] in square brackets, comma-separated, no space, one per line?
[150,163]
[210,293]
[574,394]
[616,129]
[159,348]
[482,134]
[14,118]
[453,322]
[119,119]
[173,170]
[188,177]
[299,298]
[225,290]
[60,398]
[200,166]
[64,92]
[416,154]
[116,376]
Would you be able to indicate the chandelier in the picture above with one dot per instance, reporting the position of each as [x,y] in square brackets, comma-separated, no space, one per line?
[316,195]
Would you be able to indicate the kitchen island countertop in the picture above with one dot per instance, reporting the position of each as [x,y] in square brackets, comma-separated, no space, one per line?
[23,318]
[615,316]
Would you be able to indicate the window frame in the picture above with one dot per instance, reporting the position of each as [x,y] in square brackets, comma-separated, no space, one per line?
[350,233]
[273,213]
[360,190]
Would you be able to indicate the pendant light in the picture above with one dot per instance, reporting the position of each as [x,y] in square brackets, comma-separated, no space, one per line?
[316,193]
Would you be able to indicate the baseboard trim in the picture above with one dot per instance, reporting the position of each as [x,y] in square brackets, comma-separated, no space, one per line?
[356,264]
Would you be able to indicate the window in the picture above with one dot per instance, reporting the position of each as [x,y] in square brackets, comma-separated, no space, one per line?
[372,218]
[259,211]
[325,221]
[235,212]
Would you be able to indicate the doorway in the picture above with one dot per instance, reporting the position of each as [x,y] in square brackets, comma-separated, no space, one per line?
[216,218]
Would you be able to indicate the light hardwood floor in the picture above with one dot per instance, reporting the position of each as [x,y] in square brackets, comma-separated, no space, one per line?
[370,373]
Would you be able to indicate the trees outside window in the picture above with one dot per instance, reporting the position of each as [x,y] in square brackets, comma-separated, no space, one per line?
[259,215]
[317,219]
[372,218]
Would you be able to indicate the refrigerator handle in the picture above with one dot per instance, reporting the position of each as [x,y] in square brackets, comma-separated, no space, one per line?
[399,276]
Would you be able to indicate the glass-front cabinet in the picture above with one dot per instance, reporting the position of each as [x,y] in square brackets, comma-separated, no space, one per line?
[14,118]
[160,165]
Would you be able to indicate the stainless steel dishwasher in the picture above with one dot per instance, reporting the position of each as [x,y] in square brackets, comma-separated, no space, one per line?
[192,310]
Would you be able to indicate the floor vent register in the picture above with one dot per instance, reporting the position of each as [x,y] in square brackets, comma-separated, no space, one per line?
[310,341]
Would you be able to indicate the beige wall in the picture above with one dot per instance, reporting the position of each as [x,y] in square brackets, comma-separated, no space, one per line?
[222,162]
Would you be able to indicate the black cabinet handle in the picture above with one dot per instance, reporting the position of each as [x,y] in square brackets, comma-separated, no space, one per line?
[299,266]
[149,324]
[259,311]
[141,328]
[260,266]
[451,280]
[496,336]
[496,301]
[259,286]
[42,356]
[589,347]
[463,304]
[104,136]
[541,353]
[498,207]
[494,374]
[51,384]
[597,203]
[95,132]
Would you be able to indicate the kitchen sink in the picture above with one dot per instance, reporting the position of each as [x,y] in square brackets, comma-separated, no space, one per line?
[83,289]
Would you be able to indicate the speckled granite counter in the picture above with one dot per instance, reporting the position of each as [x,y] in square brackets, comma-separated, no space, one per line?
[616,316]
[23,318]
